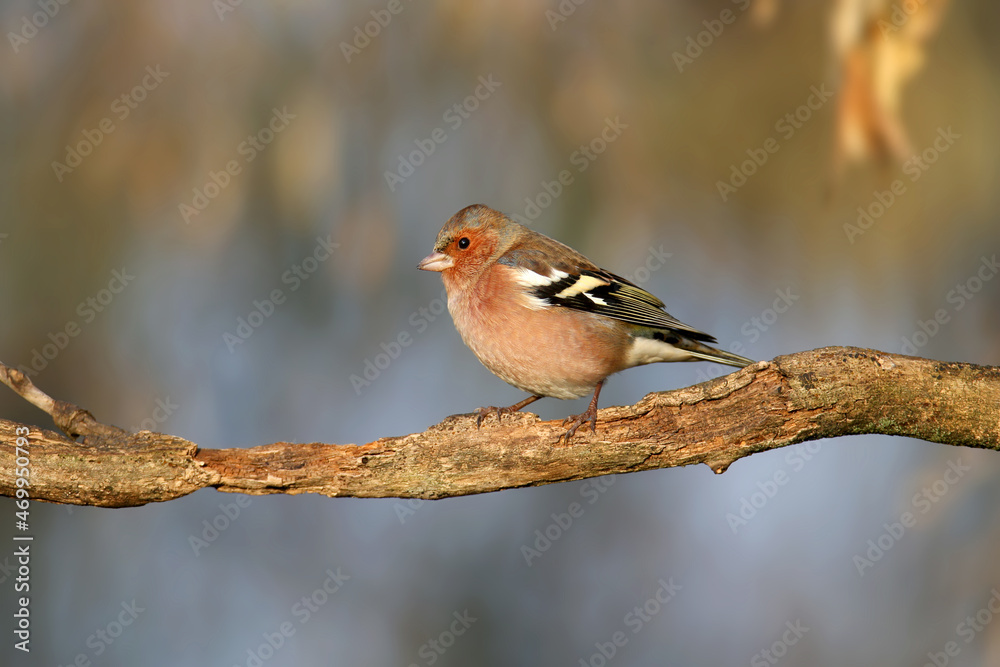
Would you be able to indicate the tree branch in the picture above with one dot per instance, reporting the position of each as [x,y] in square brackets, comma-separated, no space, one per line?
[805,396]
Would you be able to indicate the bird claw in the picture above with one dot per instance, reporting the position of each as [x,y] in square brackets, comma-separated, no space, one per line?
[578,420]
[483,413]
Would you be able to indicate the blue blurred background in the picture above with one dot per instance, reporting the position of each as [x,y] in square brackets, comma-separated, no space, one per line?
[784,175]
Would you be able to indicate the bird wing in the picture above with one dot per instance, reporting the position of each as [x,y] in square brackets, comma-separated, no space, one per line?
[555,275]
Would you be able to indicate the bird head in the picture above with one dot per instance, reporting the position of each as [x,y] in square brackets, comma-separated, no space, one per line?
[467,245]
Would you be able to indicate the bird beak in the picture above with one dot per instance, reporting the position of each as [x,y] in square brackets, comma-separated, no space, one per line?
[436,261]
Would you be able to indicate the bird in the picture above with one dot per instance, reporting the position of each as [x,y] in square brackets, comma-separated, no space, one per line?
[547,320]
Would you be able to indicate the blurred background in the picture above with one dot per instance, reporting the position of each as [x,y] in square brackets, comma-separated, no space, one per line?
[211,218]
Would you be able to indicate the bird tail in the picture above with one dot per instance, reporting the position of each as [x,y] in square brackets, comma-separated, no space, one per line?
[707,353]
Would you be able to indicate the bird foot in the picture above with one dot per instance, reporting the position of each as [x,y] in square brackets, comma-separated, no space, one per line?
[483,413]
[577,421]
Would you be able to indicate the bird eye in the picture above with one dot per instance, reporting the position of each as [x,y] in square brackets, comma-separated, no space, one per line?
[463,243]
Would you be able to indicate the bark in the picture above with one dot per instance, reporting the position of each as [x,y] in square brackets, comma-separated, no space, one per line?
[822,393]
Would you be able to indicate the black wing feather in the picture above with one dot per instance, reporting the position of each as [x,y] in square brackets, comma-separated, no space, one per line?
[615,296]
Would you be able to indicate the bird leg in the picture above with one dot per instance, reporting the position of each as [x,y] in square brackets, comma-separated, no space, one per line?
[481,413]
[579,420]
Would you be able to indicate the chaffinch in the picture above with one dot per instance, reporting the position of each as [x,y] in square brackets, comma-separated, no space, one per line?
[546,319]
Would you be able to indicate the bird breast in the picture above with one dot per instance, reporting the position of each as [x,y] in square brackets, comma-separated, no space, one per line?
[550,351]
